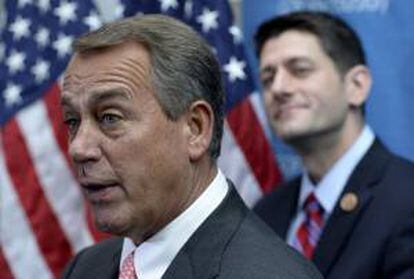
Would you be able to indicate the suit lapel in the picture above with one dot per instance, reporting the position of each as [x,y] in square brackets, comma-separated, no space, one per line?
[112,270]
[108,259]
[285,207]
[341,223]
[181,267]
[201,255]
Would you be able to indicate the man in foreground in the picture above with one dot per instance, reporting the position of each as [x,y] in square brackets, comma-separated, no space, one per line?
[143,103]
[352,210]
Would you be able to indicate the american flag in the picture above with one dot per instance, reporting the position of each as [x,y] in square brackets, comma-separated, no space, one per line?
[43,218]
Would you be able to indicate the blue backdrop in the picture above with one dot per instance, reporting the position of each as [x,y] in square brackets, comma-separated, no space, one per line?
[387,31]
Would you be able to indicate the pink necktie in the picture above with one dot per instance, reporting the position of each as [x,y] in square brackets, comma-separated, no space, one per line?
[309,231]
[127,268]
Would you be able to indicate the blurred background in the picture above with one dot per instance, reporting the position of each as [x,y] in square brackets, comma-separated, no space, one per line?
[43,219]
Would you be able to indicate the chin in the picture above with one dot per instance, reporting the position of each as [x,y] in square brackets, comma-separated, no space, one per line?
[293,136]
[106,220]
[113,228]
[289,134]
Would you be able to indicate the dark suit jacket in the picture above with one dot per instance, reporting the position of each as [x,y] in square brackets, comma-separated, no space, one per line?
[231,243]
[376,240]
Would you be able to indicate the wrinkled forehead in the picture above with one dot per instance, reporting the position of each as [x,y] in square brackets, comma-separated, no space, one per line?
[125,65]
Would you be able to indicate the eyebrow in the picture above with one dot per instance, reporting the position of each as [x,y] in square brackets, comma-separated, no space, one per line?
[267,69]
[100,96]
[109,94]
[299,59]
[289,61]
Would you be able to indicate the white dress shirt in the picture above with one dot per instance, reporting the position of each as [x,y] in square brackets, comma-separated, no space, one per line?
[329,189]
[152,257]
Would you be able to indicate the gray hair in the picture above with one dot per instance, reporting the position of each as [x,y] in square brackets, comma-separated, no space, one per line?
[184,69]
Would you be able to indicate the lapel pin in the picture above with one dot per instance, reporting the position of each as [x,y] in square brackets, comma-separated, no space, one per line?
[349,202]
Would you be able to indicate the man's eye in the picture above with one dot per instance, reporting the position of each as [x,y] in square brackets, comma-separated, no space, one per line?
[266,82]
[71,124]
[109,118]
[302,71]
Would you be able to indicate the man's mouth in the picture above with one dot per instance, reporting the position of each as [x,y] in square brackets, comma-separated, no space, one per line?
[98,192]
[286,110]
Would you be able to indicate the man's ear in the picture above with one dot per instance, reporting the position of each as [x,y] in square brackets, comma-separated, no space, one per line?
[199,129]
[358,85]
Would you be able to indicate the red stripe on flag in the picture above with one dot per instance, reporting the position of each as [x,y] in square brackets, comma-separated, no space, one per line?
[4,268]
[252,140]
[50,237]
[52,102]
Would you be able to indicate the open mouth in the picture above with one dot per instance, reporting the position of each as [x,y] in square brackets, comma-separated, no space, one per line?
[100,192]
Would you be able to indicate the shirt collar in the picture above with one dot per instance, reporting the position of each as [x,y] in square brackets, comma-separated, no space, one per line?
[328,190]
[153,256]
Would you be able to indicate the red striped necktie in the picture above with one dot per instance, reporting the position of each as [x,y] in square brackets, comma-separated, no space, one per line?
[310,229]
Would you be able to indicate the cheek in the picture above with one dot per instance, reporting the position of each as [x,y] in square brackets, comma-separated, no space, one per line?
[332,107]
[336,98]
[146,159]
[269,103]
[128,158]
[322,94]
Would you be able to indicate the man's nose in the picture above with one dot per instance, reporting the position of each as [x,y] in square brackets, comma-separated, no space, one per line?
[85,145]
[281,85]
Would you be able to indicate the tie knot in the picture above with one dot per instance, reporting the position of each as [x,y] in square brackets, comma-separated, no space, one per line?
[312,204]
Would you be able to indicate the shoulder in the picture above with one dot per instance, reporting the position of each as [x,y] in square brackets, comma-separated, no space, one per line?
[256,252]
[100,249]
[103,254]
[285,192]
[400,165]
[387,177]
[395,182]
[388,162]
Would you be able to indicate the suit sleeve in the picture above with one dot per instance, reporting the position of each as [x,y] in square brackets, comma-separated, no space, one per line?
[399,259]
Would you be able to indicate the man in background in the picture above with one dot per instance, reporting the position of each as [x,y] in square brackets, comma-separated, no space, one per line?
[352,210]
[143,103]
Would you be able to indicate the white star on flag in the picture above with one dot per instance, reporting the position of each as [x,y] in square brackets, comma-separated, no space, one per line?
[44,5]
[63,45]
[23,3]
[93,21]
[12,94]
[167,4]
[20,28]
[15,61]
[236,33]
[41,70]
[235,69]
[42,37]
[208,20]
[66,12]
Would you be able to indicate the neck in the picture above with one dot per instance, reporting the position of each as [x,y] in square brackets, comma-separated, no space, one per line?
[202,177]
[201,174]
[197,178]
[320,152]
